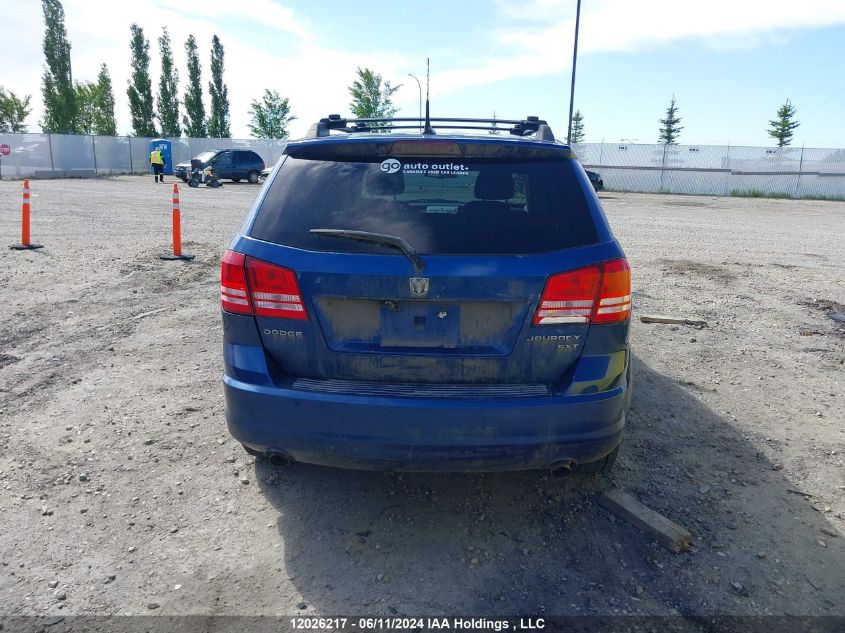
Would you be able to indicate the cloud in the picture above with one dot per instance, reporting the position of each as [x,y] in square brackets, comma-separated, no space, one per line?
[268,12]
[274,46]
[314,77]
[622,25]
[541,39]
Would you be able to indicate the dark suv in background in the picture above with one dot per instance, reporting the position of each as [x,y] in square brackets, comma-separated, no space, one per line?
[412,301]
[232,164]
[595,180]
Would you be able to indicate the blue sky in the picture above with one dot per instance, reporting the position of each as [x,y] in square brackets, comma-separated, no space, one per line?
[729,63]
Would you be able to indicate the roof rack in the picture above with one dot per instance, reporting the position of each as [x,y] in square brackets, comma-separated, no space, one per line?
[524,127]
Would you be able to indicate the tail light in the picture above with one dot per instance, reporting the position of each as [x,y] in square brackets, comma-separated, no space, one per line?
[233,290]
[598,294]
[252,286]
[614,303]
[274,290]
[425,148]
[569,297]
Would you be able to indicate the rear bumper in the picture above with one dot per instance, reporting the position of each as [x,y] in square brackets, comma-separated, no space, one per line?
[425,434]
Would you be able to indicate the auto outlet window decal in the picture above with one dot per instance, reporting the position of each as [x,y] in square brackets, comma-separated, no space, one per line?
[434,168]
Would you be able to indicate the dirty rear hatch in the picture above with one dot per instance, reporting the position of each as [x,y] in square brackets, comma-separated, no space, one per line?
[487,225]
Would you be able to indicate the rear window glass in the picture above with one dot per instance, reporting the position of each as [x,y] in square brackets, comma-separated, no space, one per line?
[455,205]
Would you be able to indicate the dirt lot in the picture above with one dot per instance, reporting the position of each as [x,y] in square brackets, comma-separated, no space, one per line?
[122,492]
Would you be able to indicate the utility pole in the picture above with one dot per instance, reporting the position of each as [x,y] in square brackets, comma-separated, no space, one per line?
[574,62]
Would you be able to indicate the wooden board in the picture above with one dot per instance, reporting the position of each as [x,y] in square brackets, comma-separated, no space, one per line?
[668,533]
[657,318]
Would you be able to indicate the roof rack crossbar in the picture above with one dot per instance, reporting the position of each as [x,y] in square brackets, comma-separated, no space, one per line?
[451,119]
[518,127]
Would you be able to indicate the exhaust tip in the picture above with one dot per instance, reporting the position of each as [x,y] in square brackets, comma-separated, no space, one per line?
[562,468]
[278,458]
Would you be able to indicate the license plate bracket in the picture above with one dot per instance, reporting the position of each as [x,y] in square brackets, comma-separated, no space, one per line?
[420,324]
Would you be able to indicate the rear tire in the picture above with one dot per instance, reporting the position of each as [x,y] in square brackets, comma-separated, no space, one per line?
[601,466]
[253,177]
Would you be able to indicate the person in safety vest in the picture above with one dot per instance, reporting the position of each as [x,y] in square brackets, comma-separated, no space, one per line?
[157,163]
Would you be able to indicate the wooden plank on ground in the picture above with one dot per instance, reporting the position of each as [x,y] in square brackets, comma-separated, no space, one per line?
[150,313]
[668,533]
[659,318]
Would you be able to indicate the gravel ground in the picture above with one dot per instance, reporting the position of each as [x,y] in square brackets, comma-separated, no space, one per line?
[123,493]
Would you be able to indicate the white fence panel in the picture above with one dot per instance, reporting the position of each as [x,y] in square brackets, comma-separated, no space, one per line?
[688,169]
[112,155]
[717,170]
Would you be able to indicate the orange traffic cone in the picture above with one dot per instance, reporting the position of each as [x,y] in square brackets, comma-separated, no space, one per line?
[25,244]
[177,231]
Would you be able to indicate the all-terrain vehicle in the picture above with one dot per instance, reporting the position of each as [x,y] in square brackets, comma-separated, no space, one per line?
[203,175]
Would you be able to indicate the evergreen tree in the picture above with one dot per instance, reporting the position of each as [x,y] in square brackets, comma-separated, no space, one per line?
[140,90]
[670,130]
[577,128]
[270,117]
[218,120]
[60,106]
[194,118]
[104,123]
[96,105]
[781,128]
[168,88]
[86,92]
[13,112]
[372,98]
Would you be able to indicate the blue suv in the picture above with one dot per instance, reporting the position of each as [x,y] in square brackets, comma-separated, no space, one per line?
[398,300]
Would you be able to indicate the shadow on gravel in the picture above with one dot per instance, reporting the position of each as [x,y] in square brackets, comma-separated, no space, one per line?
[525,543]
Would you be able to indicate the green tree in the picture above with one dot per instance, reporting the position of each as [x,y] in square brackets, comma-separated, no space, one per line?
[218,120]
[782,127]
[60,107]
[577,128]
[86,96]
[104,123]
[270,117]
[168,90]
[140,90]
[194,117]
[371,96]
[13,112]
[670,130]
[96,105]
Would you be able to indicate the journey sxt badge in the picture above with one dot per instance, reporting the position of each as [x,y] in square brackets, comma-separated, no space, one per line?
[564,341]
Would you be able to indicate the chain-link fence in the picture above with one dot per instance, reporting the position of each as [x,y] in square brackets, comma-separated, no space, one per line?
[694,169]
[69,155]
[717,170]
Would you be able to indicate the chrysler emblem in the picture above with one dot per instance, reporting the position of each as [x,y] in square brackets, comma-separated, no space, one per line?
[419,286]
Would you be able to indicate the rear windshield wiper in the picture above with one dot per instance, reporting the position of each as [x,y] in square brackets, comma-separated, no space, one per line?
[392,241]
